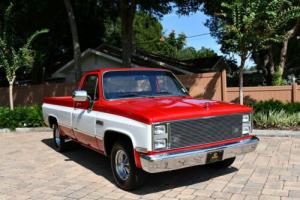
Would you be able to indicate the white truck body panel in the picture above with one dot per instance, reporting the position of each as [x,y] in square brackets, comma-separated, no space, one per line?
[85,121]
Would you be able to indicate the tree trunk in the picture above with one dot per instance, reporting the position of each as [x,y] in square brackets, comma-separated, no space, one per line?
[75,38]
[127,16]
[261,59]
[283,53]
[11,94]
[271,66]
[241,79]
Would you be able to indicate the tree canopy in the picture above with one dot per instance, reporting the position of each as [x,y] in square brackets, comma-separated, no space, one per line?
[275,23]
[56,47]
[149,36]
[12,57]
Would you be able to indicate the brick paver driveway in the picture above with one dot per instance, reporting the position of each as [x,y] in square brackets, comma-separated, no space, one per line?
[31,169]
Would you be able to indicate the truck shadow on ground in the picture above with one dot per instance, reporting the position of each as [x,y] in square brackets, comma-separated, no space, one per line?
[100,165]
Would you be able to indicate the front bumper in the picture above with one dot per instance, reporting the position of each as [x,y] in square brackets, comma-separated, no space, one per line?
[177,160]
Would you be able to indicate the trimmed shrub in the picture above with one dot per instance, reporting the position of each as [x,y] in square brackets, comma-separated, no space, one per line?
[276,119]
[30,116]
[266,106]
[275,114]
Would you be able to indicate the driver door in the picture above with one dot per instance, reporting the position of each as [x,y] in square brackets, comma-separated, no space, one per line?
[83,118]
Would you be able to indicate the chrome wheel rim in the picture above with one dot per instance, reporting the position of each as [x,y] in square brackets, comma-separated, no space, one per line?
[57,137]
[122,165]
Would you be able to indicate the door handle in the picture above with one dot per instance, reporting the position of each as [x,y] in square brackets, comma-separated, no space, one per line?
[98,122]
[77,104]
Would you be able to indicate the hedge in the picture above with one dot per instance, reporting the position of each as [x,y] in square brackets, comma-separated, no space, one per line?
[30,116]
[276,115]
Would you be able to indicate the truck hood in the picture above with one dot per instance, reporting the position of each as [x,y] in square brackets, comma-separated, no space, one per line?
[152,110]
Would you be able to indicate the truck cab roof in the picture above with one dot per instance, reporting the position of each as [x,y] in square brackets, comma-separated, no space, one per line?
[102,70]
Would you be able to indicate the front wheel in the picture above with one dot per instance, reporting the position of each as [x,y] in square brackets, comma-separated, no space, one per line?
[59,140]
[125,173]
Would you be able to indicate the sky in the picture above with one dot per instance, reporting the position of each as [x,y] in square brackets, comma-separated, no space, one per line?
[193,25]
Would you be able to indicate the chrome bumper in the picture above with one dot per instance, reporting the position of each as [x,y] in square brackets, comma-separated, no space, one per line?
[172,161]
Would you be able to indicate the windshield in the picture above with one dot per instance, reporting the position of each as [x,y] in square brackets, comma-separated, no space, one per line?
[132,84]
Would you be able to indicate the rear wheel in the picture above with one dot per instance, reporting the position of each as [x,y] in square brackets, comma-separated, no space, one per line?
[125,173]
[222,164]
[59,140]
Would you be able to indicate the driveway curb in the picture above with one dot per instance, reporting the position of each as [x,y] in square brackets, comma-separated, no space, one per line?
[276,133]
[26,130]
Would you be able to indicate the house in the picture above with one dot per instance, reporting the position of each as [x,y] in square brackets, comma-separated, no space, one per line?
[109,56]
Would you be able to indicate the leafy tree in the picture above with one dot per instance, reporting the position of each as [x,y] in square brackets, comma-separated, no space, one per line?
[149,36]
[192,53]
[147,32]
[239,33]
[247,26]
[128,8]
[274,20]
[171,45]
[285,43]
[13,58]
[293,56]
[279,25]
[56,49]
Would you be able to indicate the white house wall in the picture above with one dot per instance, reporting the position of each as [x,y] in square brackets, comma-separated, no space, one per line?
[89,62]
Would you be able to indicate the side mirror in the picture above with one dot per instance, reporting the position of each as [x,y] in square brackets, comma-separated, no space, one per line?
[80,95]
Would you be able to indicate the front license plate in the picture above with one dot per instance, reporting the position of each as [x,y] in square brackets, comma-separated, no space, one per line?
[214,156]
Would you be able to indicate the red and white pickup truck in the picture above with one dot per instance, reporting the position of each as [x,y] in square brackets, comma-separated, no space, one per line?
[145,121]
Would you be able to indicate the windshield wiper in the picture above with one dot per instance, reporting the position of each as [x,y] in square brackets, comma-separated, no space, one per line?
[129,95]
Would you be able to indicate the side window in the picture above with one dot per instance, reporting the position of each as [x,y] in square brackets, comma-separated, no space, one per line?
[90,84]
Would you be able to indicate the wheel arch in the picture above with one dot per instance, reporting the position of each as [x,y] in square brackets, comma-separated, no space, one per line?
[112,136]
[52,120]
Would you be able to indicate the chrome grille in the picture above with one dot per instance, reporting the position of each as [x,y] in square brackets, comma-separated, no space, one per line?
[205,130]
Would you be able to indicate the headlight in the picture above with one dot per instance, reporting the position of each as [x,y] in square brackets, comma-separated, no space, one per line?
[246,118]
[160,144]
[160,136]
[160,129]
[247,124]
[246,129]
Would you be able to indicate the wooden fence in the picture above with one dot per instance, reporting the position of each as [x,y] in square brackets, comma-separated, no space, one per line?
[213,86]
[34,94]
[206,85]
[289,93]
